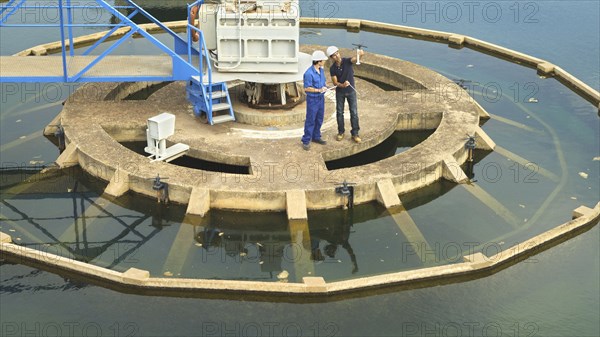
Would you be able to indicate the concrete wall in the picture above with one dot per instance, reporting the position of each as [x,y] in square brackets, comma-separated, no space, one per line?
[475,265]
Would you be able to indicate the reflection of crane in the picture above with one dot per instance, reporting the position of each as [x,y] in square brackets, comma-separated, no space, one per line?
[265,247]
[470,145]
[82,247]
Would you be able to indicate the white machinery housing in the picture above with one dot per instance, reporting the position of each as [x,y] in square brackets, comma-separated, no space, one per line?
[253,36]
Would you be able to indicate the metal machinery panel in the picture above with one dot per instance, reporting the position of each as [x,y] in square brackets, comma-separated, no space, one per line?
[253,36]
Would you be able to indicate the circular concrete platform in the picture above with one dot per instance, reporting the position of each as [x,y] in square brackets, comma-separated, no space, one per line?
[94,126]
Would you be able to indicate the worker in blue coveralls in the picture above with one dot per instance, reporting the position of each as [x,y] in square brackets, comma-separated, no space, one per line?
[314,86]
[342,76]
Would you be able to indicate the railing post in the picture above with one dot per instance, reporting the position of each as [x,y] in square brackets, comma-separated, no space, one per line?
[70,28]
[62,40]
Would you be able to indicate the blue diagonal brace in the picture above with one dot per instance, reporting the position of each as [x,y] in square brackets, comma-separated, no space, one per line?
[155,21]
[11,12]
[92,47]
[8,5]
[101,56]
[178,62]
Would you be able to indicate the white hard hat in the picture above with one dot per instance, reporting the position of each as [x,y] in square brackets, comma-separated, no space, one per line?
[318,55]
[331,50]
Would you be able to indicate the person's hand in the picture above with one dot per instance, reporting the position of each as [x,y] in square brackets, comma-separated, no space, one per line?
[195,36]
[361,52]
[346,84]
[323,89]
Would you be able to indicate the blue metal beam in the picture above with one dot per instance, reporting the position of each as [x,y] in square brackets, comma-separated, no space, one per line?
[11,12]
[62,41]
[70,28]
[181,69]
[117,26]
[101,56]
[58,79]
[8,5]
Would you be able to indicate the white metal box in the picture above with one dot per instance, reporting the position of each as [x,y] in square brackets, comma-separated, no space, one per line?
[161,126]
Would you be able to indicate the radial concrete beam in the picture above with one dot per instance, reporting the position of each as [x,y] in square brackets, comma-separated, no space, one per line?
[136,276]
[478,260]
[5,238]
[69,157]
[296,204]
[482,113]
[457,40]
[52,127]
[452,171]
[545,67]
[581,211]
[180,249]
[493,204]
[526,163]
[386,193]
[314,284]
[413,235]
[483,141]
[300,239]
[353,25]
[199,203]
[119,183]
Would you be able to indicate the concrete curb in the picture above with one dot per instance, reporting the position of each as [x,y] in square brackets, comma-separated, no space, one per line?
[473,265]
[455,40]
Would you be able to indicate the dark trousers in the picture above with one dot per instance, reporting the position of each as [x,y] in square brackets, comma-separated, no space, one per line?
[340,98]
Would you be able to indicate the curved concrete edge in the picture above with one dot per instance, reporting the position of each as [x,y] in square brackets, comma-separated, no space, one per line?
[585,218]
[463,40]
[104,162]
[578,84]
[56,47]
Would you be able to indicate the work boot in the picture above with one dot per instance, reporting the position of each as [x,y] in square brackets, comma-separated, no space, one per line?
[306,147]
[339,137]
[320,141]
[356,139]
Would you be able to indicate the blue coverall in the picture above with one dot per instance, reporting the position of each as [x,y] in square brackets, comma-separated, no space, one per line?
[315,104]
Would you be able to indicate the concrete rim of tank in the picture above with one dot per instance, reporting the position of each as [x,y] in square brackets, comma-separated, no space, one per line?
[93,132]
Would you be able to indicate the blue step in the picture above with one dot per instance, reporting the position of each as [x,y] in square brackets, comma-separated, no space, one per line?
[207,102]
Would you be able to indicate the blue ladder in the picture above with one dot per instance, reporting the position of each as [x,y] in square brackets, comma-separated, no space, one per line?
[210,99]
[207,97]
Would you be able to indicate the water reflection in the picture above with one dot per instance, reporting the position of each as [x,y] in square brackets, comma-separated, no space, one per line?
[335,236]
[63,213]
[60,212]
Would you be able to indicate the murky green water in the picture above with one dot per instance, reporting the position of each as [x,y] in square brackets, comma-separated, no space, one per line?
[554,293]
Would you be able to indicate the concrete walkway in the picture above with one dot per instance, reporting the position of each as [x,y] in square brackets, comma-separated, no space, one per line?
[277,163]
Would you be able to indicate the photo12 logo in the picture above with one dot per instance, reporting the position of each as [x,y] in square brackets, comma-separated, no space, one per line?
[288,329]
[469,11]
[81,12]
[469,329]
[68,329]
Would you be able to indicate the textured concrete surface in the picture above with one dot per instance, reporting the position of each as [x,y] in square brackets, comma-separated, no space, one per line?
[296,205]
[274,156]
